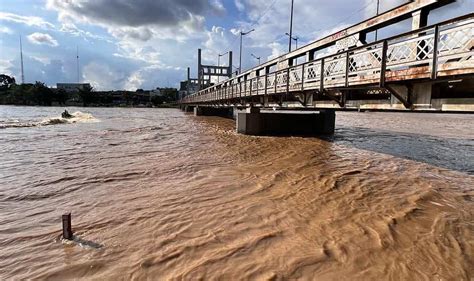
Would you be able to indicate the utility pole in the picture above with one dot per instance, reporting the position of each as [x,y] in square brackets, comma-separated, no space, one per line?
[240,59]
[378,10]
[21,59]
[291,25]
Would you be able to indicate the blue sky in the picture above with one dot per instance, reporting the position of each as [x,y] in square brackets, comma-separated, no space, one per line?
[126,44]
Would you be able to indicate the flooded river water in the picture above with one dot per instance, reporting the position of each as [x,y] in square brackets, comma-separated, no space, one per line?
[160,194]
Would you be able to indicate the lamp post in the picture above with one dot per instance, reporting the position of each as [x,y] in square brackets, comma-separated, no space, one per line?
[378,9]
[240,59]
[258,58]
[296,41]
[294,38]
[219,62]
[291,25]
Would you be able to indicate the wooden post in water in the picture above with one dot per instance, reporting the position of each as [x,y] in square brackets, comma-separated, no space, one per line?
[67,228]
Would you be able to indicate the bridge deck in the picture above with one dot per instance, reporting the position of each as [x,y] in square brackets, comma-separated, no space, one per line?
[432,53]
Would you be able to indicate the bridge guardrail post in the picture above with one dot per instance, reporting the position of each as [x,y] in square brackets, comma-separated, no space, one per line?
[265,92]
[275,83]
[434,68]
[383,66]
[302,77]
[257,80]
[250,88]
[347,69]
[240,90]
[321,82]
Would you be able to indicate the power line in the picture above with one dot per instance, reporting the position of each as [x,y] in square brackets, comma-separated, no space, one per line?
[256,22]
[349,17]
[280,37]
[264,13]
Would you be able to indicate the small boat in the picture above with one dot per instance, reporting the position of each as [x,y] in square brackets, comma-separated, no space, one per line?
[66,115]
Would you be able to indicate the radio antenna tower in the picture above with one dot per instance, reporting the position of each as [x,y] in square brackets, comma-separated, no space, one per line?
[77,57]
[21,59]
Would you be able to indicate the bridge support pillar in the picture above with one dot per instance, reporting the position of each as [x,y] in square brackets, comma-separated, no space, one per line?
[422,95]
[214,111]
[254,122]
[188,108]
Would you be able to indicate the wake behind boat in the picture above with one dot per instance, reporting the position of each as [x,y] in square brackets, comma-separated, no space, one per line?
[64,118]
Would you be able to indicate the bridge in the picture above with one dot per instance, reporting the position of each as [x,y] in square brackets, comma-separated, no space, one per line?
[409,71]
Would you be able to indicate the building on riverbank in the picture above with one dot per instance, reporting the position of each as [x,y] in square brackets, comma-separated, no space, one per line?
[72,87]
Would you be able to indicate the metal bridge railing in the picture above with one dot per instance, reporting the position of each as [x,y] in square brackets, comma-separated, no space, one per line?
[441,50]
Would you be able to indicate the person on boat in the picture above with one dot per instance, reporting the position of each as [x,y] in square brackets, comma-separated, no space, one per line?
[66,114]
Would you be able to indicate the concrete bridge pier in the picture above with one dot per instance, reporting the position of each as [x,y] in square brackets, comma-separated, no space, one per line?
[254,122]
[422,95]
[188,108]
[416,96]
[227,112]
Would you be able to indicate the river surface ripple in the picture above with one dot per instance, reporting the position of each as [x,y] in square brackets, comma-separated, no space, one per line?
[160,194]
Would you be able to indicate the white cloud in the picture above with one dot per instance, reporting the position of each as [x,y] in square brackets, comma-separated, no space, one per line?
[6,67]
[218,6]
[102,76]
[277,50]
[27,20]
[6,30]
[71,28]
[134,81]
[239,5]
[42,39]
[43,60]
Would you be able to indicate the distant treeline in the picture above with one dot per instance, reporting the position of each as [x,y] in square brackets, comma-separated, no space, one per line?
[39,94]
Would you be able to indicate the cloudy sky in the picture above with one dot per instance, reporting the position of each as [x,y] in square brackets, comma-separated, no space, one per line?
[130,44]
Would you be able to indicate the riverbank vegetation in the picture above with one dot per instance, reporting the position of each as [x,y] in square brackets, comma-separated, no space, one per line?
[38,93]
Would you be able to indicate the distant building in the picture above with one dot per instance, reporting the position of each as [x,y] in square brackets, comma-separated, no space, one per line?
[188,87]
[156,93]
[72,87]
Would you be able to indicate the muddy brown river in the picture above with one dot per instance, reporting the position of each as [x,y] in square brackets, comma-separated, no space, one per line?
[159,194]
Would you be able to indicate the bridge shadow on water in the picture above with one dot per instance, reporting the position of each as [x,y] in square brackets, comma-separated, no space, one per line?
[449,153]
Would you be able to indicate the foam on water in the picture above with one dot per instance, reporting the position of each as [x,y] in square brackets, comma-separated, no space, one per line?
[77,117]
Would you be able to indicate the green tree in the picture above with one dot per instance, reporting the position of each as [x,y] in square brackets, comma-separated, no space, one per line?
[6,81]
[61,96]
[42,94]
[86,95]
[128,97]
[169,94]
[20,95]
[157,100]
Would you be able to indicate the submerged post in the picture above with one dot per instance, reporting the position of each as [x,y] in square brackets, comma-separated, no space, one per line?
[67,228]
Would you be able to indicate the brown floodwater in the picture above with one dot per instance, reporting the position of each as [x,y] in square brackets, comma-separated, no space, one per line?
[160,194]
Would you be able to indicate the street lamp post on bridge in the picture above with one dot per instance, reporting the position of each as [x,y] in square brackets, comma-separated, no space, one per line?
[378,11]
[294,38]
[258,58]
[240,59]
[296,41]
[291,26]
